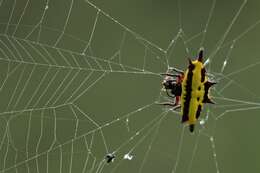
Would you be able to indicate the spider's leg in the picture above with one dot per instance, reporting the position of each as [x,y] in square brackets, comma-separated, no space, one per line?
[166,80]
[200,58]
[167,104]
[176,107]
[177,100]
[176,70]
[169,74]
[169,94]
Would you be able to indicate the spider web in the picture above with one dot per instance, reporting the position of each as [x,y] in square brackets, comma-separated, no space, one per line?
[81,79]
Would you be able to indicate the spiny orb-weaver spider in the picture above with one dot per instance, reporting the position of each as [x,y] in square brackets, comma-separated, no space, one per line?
[190,90]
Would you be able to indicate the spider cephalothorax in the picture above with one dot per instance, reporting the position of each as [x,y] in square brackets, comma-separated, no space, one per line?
[172,83]
[193,92]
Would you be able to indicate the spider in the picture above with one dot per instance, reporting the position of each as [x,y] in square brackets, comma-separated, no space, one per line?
[190,90]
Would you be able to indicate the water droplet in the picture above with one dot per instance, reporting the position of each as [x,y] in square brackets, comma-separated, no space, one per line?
[202,122]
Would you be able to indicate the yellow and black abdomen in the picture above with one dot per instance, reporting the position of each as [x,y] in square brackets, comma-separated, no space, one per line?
[193,92]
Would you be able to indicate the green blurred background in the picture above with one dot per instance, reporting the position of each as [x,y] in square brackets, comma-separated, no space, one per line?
[80,79]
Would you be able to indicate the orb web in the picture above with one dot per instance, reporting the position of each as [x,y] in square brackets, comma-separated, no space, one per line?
[80,80]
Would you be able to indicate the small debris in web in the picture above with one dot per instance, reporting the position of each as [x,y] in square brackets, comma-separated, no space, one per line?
[110,157]
[202,122]
[128,156]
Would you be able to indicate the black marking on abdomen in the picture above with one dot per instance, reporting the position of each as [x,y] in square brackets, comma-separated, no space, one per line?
[206,89]
[187,97]
[198,112]
[203,74]
[184,118]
